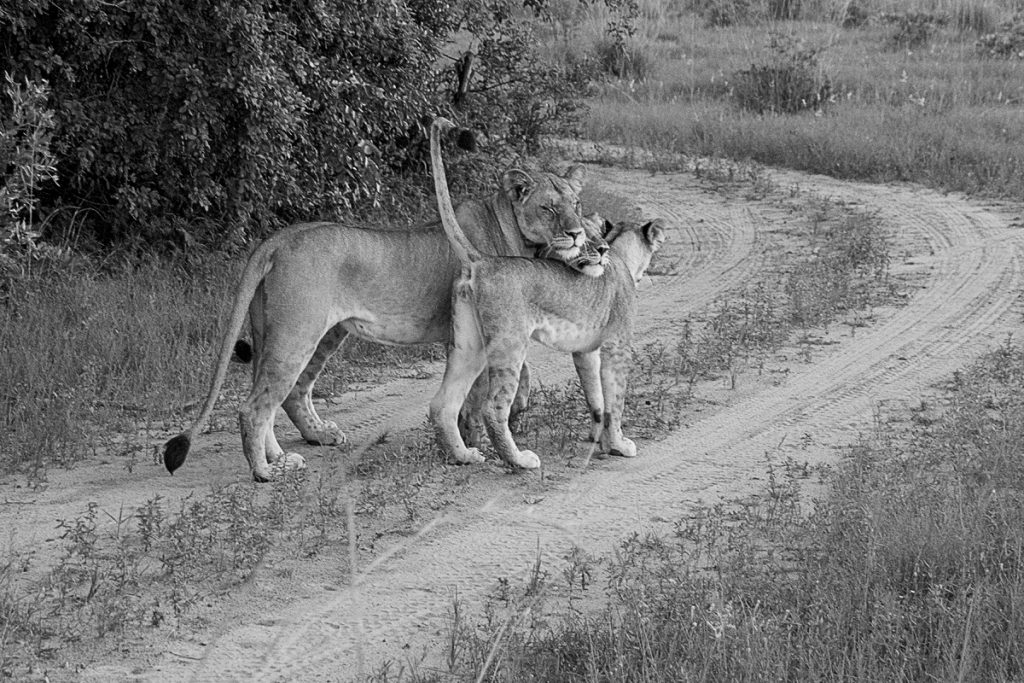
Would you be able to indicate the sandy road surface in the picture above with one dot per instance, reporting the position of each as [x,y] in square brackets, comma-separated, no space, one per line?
[964,255]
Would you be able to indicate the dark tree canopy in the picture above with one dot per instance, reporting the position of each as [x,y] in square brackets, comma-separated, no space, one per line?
[245,114]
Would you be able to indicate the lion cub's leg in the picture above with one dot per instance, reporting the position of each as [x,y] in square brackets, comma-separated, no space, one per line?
[521,403]
[466,361]
[503,368]
[588,367]
[471,417]
[615,359]
[299,403]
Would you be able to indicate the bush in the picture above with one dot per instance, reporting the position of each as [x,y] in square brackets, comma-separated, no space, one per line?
[626,60]
[784,9]
[232,117]
[722,12]
[789,83]
[1007,42]
[854,16]
[912,29]
[979,18]
[27,164]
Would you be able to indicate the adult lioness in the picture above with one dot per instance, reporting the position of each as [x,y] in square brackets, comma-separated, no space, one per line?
[311,285]
[499,303]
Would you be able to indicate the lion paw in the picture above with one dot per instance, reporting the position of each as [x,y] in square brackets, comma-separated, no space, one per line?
[290,462]
[326,434]
[624,449]
[471,456]
[528,460]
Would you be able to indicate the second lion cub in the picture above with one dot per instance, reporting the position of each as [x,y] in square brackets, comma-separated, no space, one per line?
[500,303]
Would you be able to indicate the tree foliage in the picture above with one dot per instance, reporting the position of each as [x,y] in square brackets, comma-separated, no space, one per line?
[218,117]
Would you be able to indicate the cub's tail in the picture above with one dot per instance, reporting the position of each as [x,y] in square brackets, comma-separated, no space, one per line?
[463,248]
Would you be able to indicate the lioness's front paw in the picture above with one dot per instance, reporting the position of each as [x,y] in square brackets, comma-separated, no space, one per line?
[625,448]
[470,456]
[290,462]
[528,460]
[327,434]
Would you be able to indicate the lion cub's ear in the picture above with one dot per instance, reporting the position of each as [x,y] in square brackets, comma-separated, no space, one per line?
[518,184]
[654,233]
[575,175]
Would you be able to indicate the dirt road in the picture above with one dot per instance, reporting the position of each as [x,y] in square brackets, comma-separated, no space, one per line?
[965,260]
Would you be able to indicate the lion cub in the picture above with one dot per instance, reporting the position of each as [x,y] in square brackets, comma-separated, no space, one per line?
[500,303]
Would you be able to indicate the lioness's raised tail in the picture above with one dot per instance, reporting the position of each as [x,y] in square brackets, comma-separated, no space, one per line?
[463,248]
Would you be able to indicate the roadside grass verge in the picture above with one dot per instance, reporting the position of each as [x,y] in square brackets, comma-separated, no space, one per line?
[91,357]
[908,568]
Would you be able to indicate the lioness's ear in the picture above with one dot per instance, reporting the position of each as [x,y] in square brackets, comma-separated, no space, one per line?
[612,232]
[607,228]
[518,184]
[654,233]
[575,176]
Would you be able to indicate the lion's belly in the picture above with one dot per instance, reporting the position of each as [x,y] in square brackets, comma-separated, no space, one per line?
[566,335]
[419,327]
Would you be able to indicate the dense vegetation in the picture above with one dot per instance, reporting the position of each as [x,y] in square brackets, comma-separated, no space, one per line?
[221,117]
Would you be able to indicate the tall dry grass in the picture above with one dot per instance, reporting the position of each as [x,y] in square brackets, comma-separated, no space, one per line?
[92,357]
[941,114]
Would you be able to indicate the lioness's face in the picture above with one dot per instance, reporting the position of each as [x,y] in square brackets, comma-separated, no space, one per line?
[547,207]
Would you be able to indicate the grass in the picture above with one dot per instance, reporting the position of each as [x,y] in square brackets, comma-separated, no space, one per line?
[941,114]
[117,346]
[907,569]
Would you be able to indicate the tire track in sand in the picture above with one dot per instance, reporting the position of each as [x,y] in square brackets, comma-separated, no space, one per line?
[969,261]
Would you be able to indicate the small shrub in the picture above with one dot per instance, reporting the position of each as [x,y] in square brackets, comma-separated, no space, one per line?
[912,29]
[723,12]
[784,9]
[1007,42]
[789,83]
[975,17]
[625,59]
[854,16]
[27,164]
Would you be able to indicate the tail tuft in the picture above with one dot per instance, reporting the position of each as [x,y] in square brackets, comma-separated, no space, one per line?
[243,351]
[175,452]
[466,140]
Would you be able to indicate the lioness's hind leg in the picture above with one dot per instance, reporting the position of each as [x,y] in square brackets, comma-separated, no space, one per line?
[503,373]
[277,367]
[299,402]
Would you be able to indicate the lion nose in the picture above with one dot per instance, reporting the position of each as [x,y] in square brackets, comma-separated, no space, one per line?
[602,249]
[578,236]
